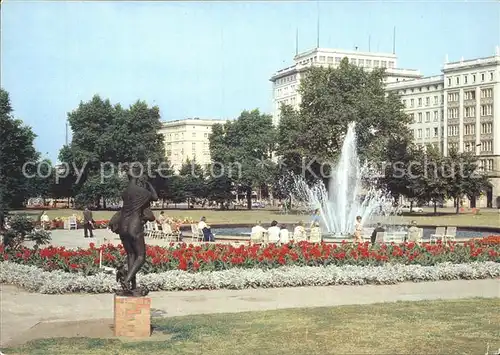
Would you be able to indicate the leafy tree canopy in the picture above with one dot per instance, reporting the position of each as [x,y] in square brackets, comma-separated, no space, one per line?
[16,149]
[331,99]
[242,149]
[105,136]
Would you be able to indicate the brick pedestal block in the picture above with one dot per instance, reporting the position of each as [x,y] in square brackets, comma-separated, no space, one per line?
[132,317]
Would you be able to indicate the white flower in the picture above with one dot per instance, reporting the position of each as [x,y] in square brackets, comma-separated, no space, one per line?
[37,280]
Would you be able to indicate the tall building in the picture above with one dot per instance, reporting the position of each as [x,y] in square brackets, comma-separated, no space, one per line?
[187,139]
[286,81]
[468,105]
[424,101]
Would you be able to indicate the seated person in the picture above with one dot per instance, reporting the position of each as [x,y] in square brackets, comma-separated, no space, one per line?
[257,232]
[284,235]
[299,233]
[414,234]
[315,236]
[45,220]
[378,229]
[205,228]
[161,218]
[273,232]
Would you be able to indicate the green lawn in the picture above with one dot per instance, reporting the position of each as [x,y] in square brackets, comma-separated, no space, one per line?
[428,327]
[487,218]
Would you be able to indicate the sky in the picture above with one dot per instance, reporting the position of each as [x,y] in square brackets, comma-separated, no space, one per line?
[208,59]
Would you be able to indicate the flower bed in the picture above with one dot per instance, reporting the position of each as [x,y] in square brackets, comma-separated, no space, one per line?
[36,280]
[490,240]
[216,257]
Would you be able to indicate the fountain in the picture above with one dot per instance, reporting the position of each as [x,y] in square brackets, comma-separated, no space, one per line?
[351,192]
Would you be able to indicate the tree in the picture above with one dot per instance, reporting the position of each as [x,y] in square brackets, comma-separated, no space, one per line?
[397,175]
[106,136]
[462,177]
[431,185]
[16,149]
[220,189]
[243,149]
[41,185]
[331,99]
[193,181]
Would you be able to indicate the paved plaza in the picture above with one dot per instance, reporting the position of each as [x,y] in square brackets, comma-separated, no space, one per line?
[22,310]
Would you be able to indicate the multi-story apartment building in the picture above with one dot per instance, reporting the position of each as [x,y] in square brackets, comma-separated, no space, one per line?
[187,139]
[467,100]
[472,114]
[286,81]
[424,101]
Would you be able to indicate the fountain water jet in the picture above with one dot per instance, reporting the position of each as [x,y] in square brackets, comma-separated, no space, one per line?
[351,192]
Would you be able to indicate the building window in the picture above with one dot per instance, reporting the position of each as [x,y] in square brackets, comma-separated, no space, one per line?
[436,131]
[361,62]
[436,117]
[436,100]
[427,132]
[384,64]
[486,146]
[458,80]
[420,117]
[419,135]
[486,128]
[453,112]
[465,79]
[470,95]
[391,64]
[412,102]
[329,60]
[412,117]
[427,117]
[404,103]
[453,131]
[469,111]
[449,81]
[419,102]
[482,76]
[453,97]
[470,129]
[489,165]
[486,110]
[452,146]
[491,76]
[337,59]
[427,101]
[321,58]
[486,93]
[368,63]
[376,63]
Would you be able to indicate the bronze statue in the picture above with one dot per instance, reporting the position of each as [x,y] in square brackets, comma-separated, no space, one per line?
[128,223]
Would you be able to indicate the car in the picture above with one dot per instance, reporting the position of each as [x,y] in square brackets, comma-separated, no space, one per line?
[414,209]
[257,204]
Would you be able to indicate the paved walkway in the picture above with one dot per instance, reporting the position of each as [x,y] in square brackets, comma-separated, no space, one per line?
[21,310]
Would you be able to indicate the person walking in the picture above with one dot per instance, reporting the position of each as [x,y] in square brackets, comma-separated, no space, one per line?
[88,223]
[358,230]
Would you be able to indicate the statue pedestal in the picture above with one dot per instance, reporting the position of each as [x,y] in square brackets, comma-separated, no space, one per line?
[132,316]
